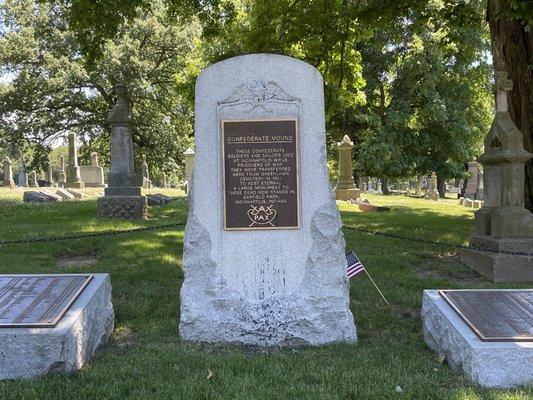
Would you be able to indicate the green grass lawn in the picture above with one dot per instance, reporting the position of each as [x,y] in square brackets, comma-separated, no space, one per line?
[147,360]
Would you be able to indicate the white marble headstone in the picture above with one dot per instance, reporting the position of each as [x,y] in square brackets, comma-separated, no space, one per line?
[264,286]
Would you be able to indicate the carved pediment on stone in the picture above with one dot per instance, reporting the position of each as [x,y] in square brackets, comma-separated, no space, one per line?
[503,134]
[258,94]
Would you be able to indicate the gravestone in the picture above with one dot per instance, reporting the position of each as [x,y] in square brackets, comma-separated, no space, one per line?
[64,194]
[345,188]
[73,170]
[8,174]
[379,189]
[122,198]
[93,175]
[32,179]
[473,180]
[147,183]
[188,159]
[165,181]
[52,323]
[49,174]
[264,253]
[22,175]
[62,173]
[432,192]
[480,193]
[503,223]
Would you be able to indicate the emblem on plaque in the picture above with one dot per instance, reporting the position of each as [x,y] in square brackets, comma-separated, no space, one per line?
[261,215]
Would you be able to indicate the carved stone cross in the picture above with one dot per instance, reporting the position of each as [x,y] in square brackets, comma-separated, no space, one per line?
[502,85]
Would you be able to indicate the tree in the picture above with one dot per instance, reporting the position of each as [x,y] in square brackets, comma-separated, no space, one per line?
[511,24]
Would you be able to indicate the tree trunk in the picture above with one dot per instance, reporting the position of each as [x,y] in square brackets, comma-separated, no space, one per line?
[512,50]
[441,186]
[385,185]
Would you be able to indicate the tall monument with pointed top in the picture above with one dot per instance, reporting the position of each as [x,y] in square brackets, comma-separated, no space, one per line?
[122,197]
[503,223]
[345,188]
[73,169]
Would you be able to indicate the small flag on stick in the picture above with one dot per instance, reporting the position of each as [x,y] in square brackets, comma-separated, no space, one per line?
[355,267]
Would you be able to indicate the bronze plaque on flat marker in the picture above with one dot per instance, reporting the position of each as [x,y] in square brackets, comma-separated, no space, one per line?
[260,173]
[38,301]
[504,315]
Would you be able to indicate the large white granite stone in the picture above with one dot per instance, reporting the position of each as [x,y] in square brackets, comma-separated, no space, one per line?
[489,364]
[27,353]
[264,287]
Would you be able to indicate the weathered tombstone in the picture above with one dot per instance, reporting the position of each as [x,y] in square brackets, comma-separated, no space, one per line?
[480,194]
[52,323]
[62,173]
[165,180]
[73,170]
[122,197]
[503,223]
[188,159]
[49,177]
[379,189]
[418,190]
[147,183]
[473,179]
[92,175]
[345,188]
[22,175]
[8,174]
[461,201]
[65,194]
[432,192]
[32,179]
[264,253]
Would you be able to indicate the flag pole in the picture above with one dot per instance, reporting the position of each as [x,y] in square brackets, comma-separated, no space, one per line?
[376,286]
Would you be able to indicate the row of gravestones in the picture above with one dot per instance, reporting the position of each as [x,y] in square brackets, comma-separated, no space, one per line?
[264,252]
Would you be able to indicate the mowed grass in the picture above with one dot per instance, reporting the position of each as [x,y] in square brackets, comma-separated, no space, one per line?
[146,359]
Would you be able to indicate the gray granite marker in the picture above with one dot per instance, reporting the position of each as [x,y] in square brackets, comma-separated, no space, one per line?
[8,174]
[274,286]
[73,170]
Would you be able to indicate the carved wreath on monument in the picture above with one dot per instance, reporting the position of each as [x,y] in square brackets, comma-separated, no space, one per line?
[258,94]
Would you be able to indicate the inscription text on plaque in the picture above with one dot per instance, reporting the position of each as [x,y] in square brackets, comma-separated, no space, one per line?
[261,183]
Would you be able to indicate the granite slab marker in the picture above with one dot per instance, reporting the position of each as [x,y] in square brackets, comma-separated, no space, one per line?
[285,285]
[8,174]
[93,175]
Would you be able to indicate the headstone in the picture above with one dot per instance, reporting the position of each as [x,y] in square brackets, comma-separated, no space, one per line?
[503,223]
[49,174]
[379,189]
[188,159]
[432,192]
[32,196]
[165,180]
[62,173]
[147,183]
[32,179]
[64,194]
[157,199]
[484,333]
[52,323]
[469,203]
[73,171]
[75,193]
[461,200]
[480,194]
[8,174]
[92,175]
[22,175]
[473,179]
[122,197]
[346,189]
[264,253]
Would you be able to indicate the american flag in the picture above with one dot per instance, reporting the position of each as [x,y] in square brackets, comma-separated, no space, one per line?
[354,265]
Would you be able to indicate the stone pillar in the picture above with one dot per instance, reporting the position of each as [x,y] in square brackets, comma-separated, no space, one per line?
[418,190]
[345,188]
[49,174]
[480,195]
[122,197]
[62,173]
[22,176]
[380,188]
[147,183]
[188,159]
[165,180]
[8,174]
[32,179]
[432,193]
[73,170]
[473,178]
[503,223]
[94,159]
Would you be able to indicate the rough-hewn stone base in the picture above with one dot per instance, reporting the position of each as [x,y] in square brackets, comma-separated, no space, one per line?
[489,364]
[27,353]
[9,184]
[123,207]
[347,194]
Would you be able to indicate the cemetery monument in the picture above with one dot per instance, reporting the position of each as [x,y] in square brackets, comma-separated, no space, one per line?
[122,198]
[32,179]
[62,173]
[264,253]
[147,183]
[473,181]
[22,175]
[93,175]
[73,170]
[188,159]
[345,188]
[49,174]
[8,174]
[432,192]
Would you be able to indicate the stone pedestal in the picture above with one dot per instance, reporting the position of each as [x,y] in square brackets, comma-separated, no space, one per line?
[503,223]
[345,188]
[122,198]
[188,159]
[473,181]
[8,174]
[73,170]
[432,193]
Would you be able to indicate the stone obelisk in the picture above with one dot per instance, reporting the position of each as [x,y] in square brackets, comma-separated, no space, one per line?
[345,188]
[147,183]
[73,170]
[503,223]
[49,174]
[62,173]
[122,197]
[8,174]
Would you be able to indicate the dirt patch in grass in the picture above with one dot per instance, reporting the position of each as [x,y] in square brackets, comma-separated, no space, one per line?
[446,266]
[123,338]
[69,261]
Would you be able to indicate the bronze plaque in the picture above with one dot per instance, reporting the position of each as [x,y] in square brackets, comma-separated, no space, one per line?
[38,301]
[260,172]
[504,315]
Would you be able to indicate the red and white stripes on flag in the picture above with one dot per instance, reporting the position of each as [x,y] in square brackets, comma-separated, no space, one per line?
[354,265]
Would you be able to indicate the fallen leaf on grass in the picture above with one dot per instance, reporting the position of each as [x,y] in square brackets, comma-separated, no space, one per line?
[399,389]
[210,374]
[441,358]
